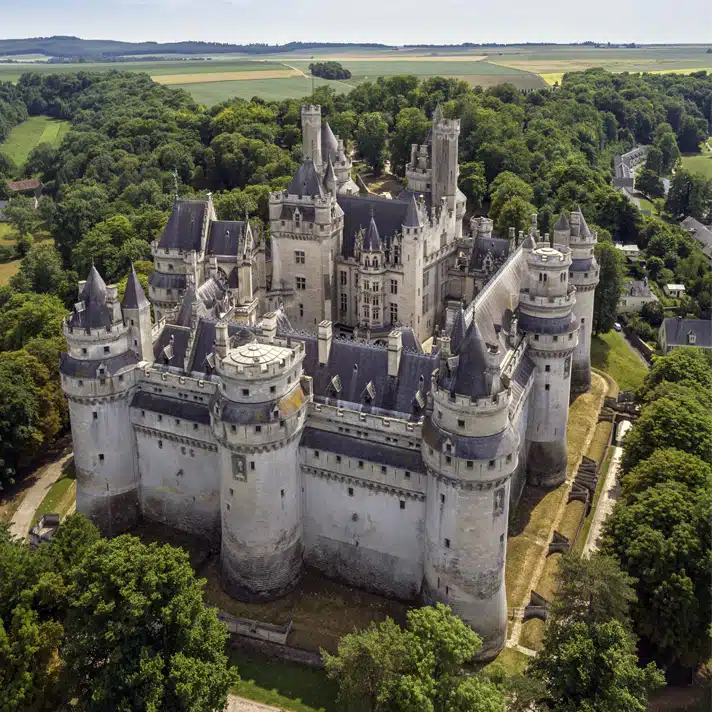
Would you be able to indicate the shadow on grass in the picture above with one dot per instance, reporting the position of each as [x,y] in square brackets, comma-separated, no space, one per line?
[299,683]
[530,499]
[599,353]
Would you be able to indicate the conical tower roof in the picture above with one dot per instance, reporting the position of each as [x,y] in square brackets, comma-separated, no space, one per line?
[584,230]
[438,113]
[459,328]
[528,243]
[330,177]
[306,180]
[471,375]
[91,310]
[372,240]
[329,144]
[412,218]
[134,296]
[562,224]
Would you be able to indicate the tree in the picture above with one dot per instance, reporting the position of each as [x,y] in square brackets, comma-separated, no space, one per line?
[420,668]
[516,213]
[30,316]
[411,127]
[138,634]
[684,366]
[593,667]
[608,290]
[689,194]
[504,188]
[20,212]
[472,182]
[41,271]
[371,136]
[650,183]
[691,134]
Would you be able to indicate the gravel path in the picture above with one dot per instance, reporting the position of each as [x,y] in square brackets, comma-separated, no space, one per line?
[44,479]
[240,704]
[609,496]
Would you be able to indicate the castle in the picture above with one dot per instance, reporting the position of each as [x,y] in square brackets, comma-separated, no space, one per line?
[282,408]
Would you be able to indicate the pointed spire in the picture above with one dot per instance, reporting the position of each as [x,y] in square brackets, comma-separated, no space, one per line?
[372,240]
[437,114]
[473,362]
[330,178]
[584,230]
[457,335]
[94,290]
[412,218]
[329,144]
[134,296]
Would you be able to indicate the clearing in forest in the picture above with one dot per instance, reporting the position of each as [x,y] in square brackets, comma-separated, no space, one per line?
[36,130]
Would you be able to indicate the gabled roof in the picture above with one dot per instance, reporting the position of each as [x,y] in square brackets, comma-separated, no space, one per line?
[20,185]
[92,311]
[412,218]
[677,330]
[224,237]
[134,296]
[306,180]
[184,228]
[372,240]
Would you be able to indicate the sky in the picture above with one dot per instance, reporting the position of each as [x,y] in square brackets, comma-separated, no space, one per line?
[392,22]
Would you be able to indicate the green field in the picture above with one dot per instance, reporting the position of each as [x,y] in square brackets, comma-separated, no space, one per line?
[701,164]
[36,130]
[61,495]
[611,354]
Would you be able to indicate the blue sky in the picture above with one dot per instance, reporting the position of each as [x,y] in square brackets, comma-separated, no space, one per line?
[392,21]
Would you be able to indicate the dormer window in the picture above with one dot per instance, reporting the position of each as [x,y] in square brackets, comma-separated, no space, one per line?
[691,338]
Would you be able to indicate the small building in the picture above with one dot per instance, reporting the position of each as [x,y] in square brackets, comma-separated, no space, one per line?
[677,331]
[630,252]
[44,529]
[675,290]
[701,233]
[634,295]
[30,188]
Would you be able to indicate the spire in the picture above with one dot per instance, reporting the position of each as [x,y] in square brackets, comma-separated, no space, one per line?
[473,364]
[306,180]
[457,335]
[94,289]
[437,114]
[584,230]
[91,310]
[562,224]
[134,296]
[412,218]
[329,144]
[372,240]
[330,177]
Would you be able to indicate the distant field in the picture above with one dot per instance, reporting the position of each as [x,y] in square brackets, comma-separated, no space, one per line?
[212,77]
[36,130]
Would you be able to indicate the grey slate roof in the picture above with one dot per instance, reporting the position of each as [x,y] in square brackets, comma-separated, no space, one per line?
[520,379]
[306,180]
[459,328]
[488,447]
[498,247]
[581,265]
[181,409]
[676,331]
[366,450]
[329,144]
[469,377]
[307,211]
[93,313]
[224,237]
[562,223]
[177,338]
[330,177]
[79,368]
[358,210]
[184,228]
[205,342]
[134,296]
[163,280]
[541,325]
[372,240]
[412,218]
[638,288]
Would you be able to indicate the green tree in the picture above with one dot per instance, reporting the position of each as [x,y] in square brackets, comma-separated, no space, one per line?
[20,212]
[41,271]
[472,182]
[516,213]
[649,183]
[610,284]
[504,188]
[689,194]
[29,316]
[371,137]
[411,127]
[138,635]
[592,668]
[692,132]
[685,366]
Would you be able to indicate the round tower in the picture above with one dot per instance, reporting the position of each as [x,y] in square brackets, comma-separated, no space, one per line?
[470,453]
[546,316]
[583,274]
[257,418]
[98,378]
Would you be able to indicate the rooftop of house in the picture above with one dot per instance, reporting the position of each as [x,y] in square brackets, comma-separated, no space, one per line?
[678,331]
[19,186]
[701,233]
[675,287]
[638,288]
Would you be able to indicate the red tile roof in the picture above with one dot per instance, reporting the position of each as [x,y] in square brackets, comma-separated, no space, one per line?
[20,185]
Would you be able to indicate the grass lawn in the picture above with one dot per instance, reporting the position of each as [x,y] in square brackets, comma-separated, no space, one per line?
[7,234]
[701,164]
[508,663]
[612,354]
[36,130]
[532,634]
[60,496]
[283,684]
[7,270]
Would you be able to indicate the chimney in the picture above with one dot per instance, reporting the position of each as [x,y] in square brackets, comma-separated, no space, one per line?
[221,338]
[395,349]
[213,266]
[269,326]
[512,234]
[325,336]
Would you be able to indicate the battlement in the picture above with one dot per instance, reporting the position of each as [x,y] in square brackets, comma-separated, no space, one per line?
[259,361]
[545,256]
[311,109]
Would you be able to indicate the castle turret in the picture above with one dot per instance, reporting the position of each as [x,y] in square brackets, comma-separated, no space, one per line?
[257,418]
[470,452]
[445,169]
[137,314]
[311,134]
[583,274]
[546,316]
[98,377]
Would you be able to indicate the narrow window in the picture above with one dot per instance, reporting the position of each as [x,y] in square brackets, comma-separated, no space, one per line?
[447,590]
[547,368]
[227,505]
[273,389]
[232,491]
[384,470]
[491,464]
[351,491]
[245,391]
[402,504]
[252,464]
[316,454]
[447,543]
[301,310]
[338,458]
[258,428]
[195,426]
[470,464]
[101,457]
[94,415]
[234,428]
[460,423]
[442,499]
[546,387]
[160,444]
[281,493]
[360,464]
[448,459]
[84,351]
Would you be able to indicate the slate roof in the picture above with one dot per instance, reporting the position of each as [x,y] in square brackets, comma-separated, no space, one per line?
[358,210]
[177,338]
[469,377]
[520,379]
[581,265]
[562,223]
[80,368]
[93,312]
[330,176]
[676,331]
[20,185]
[329,144]
[224,237]
[541,325]
[134,296]
[184,228]
[459,329]
[308,212]
[163,280]
[182,409]
[701,233]
[372,240]
[488,447]
[638,288]
[412,218]
[367,450]
[306,180]
[498,247]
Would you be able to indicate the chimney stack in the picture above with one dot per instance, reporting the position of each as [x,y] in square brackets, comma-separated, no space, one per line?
[395,349]
[221,338]
[269,326]
[325,336]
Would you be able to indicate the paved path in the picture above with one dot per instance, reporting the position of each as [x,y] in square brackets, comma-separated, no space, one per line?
[44,479]
[609,496]
[240,704]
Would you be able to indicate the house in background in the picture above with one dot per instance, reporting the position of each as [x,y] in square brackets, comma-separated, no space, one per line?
[677,331]
[701,233]
[630,252]
[677,291]
[31,188]
[634,295]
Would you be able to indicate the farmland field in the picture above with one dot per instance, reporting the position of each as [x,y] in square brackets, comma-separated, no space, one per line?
[275,76]
[36,130]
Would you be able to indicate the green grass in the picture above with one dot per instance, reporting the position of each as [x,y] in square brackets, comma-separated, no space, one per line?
[701,165]
[8,270]
[612,354]
[508,663]
[25,136]
[7,234]
[59,498]
[286,685]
